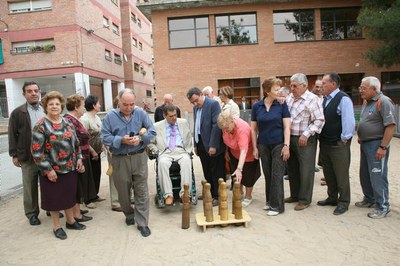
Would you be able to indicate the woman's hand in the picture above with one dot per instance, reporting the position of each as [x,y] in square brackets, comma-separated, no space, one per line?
[255,153]
[79,166]
[52,176]
[238,174]
[285,153]
[95,156]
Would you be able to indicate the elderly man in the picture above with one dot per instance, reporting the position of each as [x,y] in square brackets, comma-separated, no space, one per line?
[127,131]
[208,138]
[209,93]
[21,123]
[375,130]
[159,114]
[173,143]
[335,140]
[307,121]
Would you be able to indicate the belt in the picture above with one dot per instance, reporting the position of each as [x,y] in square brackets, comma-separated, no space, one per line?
[178,146]
[130,153]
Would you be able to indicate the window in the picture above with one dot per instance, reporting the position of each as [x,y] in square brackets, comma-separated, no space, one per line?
[294,26]
[106,22]
[33,46]
[248,87]
[134,42]
[140,46]
[340,24]
[136,67]
[133,18]
[117,59]
[236,29]
[28,6]
[107,55]
[148,93]
[115,29]
[115,2]
[188,32]
[139,23]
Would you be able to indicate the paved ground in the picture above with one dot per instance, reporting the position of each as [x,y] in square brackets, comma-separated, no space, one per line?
[310,237]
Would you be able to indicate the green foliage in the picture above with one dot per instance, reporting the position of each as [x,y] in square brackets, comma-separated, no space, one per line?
[381,19]
[234,34]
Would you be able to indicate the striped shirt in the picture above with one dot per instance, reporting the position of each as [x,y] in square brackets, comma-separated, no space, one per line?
[307,114]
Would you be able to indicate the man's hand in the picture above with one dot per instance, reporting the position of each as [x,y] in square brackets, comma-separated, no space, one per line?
[303,141]
[380,153]
[16,162]
[212,151]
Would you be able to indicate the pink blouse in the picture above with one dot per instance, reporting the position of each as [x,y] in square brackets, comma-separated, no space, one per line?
[240,139]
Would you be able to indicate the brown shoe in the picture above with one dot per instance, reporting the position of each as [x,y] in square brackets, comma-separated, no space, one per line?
[117,209]
[301,206]
[169,201]
[291,200]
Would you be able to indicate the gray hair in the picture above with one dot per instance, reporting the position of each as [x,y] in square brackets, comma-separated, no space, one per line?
[373,82]
[209,89]
[126,90]
[300,78]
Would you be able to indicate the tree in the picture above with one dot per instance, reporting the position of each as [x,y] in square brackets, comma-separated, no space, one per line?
[303,28]
[381,20]
[233,34]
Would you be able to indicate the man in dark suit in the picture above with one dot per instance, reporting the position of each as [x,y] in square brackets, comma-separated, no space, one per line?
[244,105]
[208,138]
[159,114]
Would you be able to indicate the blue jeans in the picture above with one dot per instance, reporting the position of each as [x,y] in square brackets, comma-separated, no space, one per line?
[373,175]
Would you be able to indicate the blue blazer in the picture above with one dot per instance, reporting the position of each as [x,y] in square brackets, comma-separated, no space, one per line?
[211,134]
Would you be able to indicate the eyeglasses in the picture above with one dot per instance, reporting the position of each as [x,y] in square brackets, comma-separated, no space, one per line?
[362,88]
[294,86]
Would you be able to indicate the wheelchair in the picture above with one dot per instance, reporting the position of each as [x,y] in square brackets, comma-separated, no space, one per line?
[174,173]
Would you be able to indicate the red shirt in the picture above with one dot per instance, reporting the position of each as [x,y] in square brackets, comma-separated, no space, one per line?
[240,140]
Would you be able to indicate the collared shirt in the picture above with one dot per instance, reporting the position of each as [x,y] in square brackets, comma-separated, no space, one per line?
[346,111]
[306,114]
[197,125]
[178,140]
[35,113]
[115,126]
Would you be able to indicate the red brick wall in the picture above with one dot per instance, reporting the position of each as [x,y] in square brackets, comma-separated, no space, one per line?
[179,69]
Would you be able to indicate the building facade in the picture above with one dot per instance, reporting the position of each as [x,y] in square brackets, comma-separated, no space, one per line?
[241,43]
[72,46]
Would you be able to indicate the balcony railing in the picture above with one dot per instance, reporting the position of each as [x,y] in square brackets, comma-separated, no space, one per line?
[34,49]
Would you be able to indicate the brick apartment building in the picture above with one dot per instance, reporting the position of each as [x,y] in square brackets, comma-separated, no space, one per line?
[73,46]
[241,43]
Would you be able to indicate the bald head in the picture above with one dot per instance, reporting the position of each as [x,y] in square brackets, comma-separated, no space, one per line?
[168,100]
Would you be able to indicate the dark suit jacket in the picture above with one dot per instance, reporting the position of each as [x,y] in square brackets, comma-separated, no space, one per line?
[211,134]
[20,134]
[159,114]
[246,106]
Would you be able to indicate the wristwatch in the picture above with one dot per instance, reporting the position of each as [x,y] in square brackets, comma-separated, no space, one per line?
[383,147]
[240,169]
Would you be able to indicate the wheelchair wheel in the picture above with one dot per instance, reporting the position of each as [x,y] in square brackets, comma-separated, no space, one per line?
[159,202]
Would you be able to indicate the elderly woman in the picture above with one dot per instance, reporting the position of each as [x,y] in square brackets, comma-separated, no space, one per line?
[55,150]
[228,105]
[86,189]
[92,123]
[236,134]
[270,125]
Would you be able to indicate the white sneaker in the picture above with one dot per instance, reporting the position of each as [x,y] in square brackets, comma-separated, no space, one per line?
[91,205]
[266,207]
[246,202]
[272,213]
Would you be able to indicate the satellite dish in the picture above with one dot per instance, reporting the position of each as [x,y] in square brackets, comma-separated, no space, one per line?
[125,58]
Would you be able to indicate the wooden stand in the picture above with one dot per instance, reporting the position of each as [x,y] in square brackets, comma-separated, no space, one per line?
[201,220]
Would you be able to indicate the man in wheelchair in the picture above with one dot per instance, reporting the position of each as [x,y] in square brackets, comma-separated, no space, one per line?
[173,143]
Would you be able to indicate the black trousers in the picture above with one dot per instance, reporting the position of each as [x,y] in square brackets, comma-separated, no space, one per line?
[213,167]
